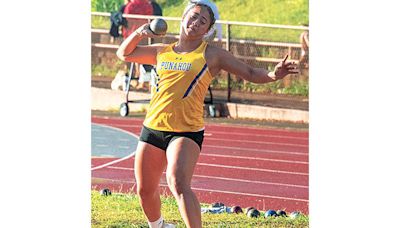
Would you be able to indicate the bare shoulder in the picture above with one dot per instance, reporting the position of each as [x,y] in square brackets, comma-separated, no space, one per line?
[213,55]
[212,51]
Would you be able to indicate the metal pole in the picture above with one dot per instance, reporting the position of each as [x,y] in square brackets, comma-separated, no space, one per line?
[228,48]
[149,40]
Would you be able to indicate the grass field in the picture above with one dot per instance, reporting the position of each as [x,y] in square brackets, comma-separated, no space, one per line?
[290,12]
[123,210]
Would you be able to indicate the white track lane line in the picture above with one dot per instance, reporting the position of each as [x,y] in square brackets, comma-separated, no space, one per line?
[258,142]
[118,160]
[253,169]
[133,153]
[253,158]
[236,167]
[252,182]
[221,191]
[238,148]
[248,149]
[231,179]
[257,150]
[113,162]
[101,145]
[98,137]
[262,135]
[123,147]
[225,133]
[216,165]
[226,178]
[251,194]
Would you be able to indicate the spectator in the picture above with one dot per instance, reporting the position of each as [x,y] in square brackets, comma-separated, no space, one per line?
[117,20]
[156,8]
[142,7]
[303,62]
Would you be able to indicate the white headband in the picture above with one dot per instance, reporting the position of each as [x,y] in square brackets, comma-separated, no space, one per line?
[211,33]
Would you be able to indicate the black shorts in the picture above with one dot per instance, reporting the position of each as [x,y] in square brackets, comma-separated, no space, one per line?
[161,139]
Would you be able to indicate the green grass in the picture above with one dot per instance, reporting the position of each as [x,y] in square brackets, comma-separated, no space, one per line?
[123,210]
[100,22]
[297,87]
[291,12]
[103,70]
[105,5]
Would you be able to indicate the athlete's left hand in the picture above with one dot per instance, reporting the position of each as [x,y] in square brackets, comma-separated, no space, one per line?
[284,68]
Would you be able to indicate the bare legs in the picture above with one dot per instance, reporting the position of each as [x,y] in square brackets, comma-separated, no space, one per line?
[180,160]
[182,155]
[150,162]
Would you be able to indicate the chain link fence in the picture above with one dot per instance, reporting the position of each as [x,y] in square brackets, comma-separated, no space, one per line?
[259,45]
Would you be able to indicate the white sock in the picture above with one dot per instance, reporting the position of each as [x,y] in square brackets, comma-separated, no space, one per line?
[156,224]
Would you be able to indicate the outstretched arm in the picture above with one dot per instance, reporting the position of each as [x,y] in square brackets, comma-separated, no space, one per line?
[256,75]
[130,51]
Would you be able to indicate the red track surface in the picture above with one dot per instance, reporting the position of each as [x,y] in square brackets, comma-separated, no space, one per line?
[246,166]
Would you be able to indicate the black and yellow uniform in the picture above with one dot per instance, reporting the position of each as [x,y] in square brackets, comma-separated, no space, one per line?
[177,97]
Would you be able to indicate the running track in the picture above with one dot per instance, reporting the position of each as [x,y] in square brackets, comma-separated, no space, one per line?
[245,166]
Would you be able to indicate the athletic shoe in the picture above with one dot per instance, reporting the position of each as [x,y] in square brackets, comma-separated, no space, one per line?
[167,225]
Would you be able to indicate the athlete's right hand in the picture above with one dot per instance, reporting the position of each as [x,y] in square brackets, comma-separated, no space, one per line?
[144,31]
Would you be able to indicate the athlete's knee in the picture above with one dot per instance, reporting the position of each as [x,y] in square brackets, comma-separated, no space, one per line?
[145,192]
[177,184]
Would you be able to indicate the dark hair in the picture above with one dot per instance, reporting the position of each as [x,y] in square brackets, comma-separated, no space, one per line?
[210,12]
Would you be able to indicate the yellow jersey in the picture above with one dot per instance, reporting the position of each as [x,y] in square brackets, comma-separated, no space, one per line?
[180,86]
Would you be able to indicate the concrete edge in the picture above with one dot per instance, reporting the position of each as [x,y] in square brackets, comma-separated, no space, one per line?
[110,100]
[266,113]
